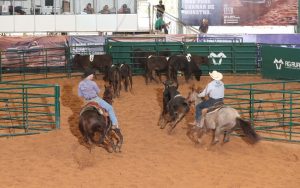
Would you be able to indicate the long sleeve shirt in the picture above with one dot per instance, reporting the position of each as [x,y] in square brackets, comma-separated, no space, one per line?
[214,89]
[88,89]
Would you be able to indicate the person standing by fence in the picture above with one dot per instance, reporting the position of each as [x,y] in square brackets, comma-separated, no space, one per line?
[160,9]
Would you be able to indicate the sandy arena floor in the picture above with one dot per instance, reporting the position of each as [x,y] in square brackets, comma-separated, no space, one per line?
[150,157]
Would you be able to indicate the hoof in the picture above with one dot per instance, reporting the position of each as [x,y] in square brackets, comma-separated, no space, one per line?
[215,142]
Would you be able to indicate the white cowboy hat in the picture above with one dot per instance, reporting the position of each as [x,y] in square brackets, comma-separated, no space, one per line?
[216,75]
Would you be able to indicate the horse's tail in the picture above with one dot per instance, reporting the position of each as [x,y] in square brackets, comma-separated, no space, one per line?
[248,130]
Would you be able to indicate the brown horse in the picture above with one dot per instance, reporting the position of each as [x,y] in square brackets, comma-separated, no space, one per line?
[93,121]
[102,63]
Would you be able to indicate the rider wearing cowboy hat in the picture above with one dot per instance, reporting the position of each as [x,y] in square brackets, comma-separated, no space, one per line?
[88,89]
[214,90]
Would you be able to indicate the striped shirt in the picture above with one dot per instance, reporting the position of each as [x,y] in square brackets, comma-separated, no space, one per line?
[214,89]
[88,89]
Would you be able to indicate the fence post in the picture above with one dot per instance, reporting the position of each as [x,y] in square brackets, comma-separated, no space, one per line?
[251,111]
[291,117]
[57,106]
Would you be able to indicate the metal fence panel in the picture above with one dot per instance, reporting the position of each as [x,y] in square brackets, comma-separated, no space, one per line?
[28,108]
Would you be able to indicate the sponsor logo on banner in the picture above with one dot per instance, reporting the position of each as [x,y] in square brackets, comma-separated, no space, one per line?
[216,57]
[278,63]
[286,64]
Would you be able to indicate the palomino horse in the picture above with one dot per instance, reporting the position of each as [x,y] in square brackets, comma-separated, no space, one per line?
[222,120]
[92,121]
[175,107]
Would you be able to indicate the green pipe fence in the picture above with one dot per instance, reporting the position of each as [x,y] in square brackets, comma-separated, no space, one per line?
[27,109]
[238,57]
[273,108]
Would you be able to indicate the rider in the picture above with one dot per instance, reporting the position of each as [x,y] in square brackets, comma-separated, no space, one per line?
[214,90]
[89,90]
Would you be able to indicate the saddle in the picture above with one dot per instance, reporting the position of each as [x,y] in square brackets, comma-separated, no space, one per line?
[216,106]
[94,105]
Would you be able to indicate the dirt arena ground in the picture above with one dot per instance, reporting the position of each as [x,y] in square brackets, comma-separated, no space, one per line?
[149,158]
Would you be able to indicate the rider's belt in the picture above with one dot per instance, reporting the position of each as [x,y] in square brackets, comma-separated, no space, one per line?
[88,99]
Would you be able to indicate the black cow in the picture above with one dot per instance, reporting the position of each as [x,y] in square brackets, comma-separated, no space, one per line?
[175,106]
[102,63]
[188,64]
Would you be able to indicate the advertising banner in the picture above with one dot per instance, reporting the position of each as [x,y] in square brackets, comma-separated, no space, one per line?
[87,45]
[280,63]
[240,12]
[291,40]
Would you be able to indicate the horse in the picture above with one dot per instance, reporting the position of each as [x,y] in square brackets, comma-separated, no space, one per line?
[175,106]
[108,94]
[221,120]
[189,64]
[126,76]
[114,79]
[102,63]
[94,121]
[159,64]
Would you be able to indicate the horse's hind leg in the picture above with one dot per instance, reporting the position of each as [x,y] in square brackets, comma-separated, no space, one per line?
[227,135]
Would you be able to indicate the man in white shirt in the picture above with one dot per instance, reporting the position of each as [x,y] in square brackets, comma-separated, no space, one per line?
[214,90]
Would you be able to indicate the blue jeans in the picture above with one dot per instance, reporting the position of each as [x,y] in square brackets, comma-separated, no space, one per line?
[108,108]
[205,104]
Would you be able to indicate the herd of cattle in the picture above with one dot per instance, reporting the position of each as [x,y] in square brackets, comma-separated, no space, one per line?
[163,63]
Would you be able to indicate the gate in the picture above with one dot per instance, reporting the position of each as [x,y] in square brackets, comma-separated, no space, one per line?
[28,108]
[273,108]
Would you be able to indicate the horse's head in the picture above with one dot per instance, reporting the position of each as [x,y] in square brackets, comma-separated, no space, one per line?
[192,97]
[108,93]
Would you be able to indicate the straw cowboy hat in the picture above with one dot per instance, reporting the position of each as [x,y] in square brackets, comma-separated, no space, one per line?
[216,75]
[88,72]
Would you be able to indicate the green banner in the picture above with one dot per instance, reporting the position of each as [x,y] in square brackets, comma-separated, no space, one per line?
[280,63]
